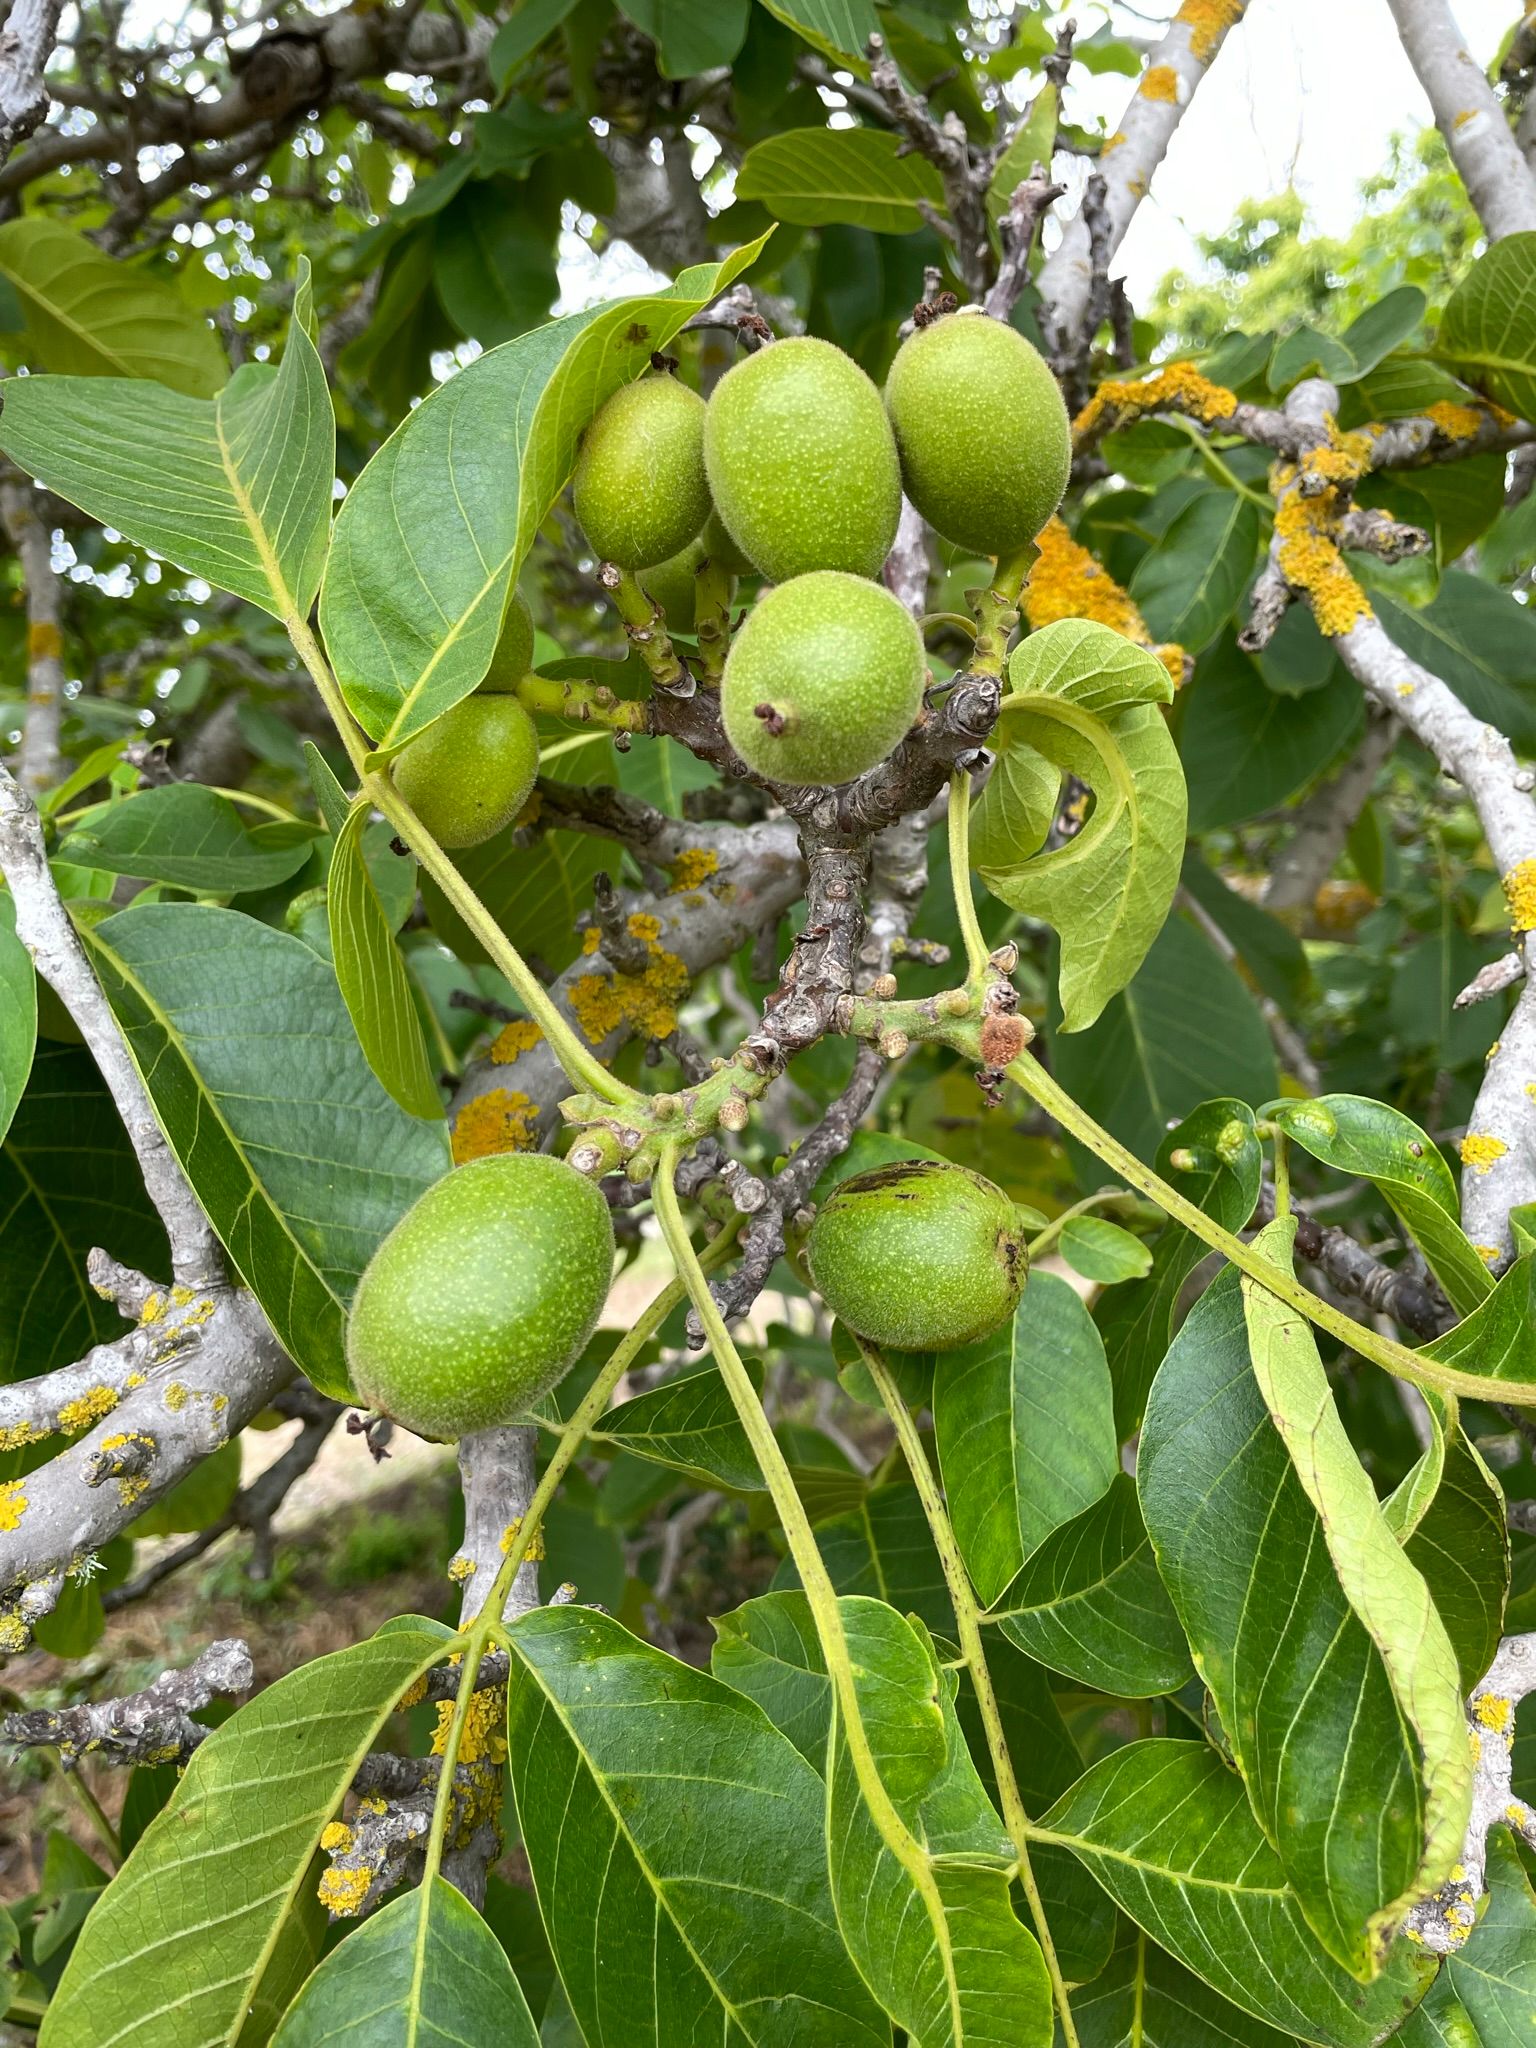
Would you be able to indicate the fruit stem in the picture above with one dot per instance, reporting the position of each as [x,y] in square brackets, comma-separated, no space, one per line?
[712,617]
[582,701]
[646,630]
[963,1599]
[997,610]
[1367,1343]
[976,951]
[581,1068]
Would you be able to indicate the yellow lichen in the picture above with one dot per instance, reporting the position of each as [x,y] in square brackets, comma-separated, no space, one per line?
[1310,561]
[14,1635]
[1475,1744]
[13,1503]
[124,1437]
[131,1491]
[1112,142]
[500,1120]
[1518,1814]
[693,866]
[591,939]
[1177,387]
[535,1551]
[341,1892]
[87,1408]
[373,1802]
[1161,82]
[134,1379]
[337,1836]
[1490,1254]
[1520,895]
[1493,1710]
[1480,1150]
[483,1738]
[1456,422]
[461,1569]
[44,641]
[414,1692]
[1207,22]
[645,1003]
[1068,583]
[177,1395]
[153,1309]
[529,814]
[1339,906]
[16,1436]
[514,1038]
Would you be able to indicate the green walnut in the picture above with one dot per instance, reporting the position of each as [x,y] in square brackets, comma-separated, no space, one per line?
[674,586]
[720,548]
[640,490]
[483,1295]
[986,445]
[470,774]
[802,464]
[823,679]
[513,656]
[919,1255]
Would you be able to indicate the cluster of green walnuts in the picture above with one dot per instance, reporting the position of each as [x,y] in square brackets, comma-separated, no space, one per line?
[486,1292]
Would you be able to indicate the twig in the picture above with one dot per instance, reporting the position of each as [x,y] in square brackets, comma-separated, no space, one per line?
[154,1726]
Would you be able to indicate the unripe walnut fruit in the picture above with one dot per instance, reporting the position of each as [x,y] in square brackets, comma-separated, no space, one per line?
[513,656]
[640,491]
[470,774]
[918,1256]
[483,1295]
[801,462]
[823,679]
[986,445]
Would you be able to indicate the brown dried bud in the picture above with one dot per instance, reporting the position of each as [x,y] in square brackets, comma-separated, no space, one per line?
[1003,1037]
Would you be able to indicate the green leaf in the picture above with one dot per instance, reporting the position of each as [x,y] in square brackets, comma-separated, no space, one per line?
[372,977]
[883,1549]
[1024,1426]
[669,1824]
[294,1149]
[90,316]
[1035,143]
[1486,1992]
[853,176]
[1461,1545]
[1355,1135]
[68,1181]
[1190,584]
[1144,1999]
[933,1933]
[768,1650]
[186,835]
[1481,642]
[424,1969]
[689,1424]
[196,1501]
[1089,1603]
[1497,1341]
[1270,950]
[1306,352]
[494,262]
[1246,748]
[528,24]
[1166,1828]
[236,489]
[1381,328]
[1488,329]
[838,28]
[690,35]
[1087,700]
[1293,1672]
[1185,1030]
[178,1948]
[1102,1251]
[1383,1587]
[477,466]
[18,1014]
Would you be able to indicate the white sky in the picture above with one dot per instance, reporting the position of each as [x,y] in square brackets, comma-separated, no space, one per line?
[1304,91]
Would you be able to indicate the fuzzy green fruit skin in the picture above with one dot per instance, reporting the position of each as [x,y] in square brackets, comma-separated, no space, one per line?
[802,463]
[483,1295]
[674,586]
[640,491]
[918,1256]
[841,660]
[718,545]
[513,656]
[470,774]
[985,441]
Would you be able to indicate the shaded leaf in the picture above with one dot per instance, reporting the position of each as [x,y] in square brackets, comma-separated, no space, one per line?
[1246,748]
[690,35]
[18,1014]
[884,1550]
[186,835]
[372,977]
[1190,584]
[1488,329]
[768,1649]
[853,176]
[1461,1545]
[1480,641]
[1102,1251]
[1486,1992]
[1144,1999]
[690,1424]
[1497,1341]
[838,28]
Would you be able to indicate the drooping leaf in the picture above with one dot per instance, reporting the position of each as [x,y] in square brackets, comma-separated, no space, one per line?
[372,977]
[1384,1589]
[675,1842]
[1293,1672]
[179,1946]
[1461,1546]
[476,466]
[494,261]
[768,1649]
[18,1014]
[689,1424]
[1088,701]
[89,315]
[1024,1426]
[691,35]
[68,1181]
[855,176]
[236,488]
[187,835]
[423,1972]
[294,1149]
[1089,1603]
[1190,584]
[1488,329]
[1166,1828]
[1486,1992]
[1354,1135]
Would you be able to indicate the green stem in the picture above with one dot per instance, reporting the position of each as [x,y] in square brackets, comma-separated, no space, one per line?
[1383,1351]
[967,1621]
[960,872]
[1220,469]
[1105,1198]
[1282,1156]
[712,618]
[645,627]
[582,701]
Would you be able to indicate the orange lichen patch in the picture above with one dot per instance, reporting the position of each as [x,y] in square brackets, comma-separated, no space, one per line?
[1161,82]
[1207,22]
[1490,1254]
[1067,582]
[1520,895]
[1493,1711]
[1467,114]
[1339,906]
[336,1836]
[13,1504]
[1344,461]
[500,1120]
[693,866]
[44,641]
[87,1408]
[1310,561]
[341,1892]
[484,1736]
[514,1038]
[535,1551]
[1456,422]
[1178,387]
[646,1002]
[1112,142]
[1481,1150]
[414,1693]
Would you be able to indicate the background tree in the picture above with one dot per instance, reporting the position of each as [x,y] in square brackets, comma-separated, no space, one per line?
[1142,1667]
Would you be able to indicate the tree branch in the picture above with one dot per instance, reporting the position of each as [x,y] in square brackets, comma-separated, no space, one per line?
[1470,117]
[154,1726]
[26,44]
